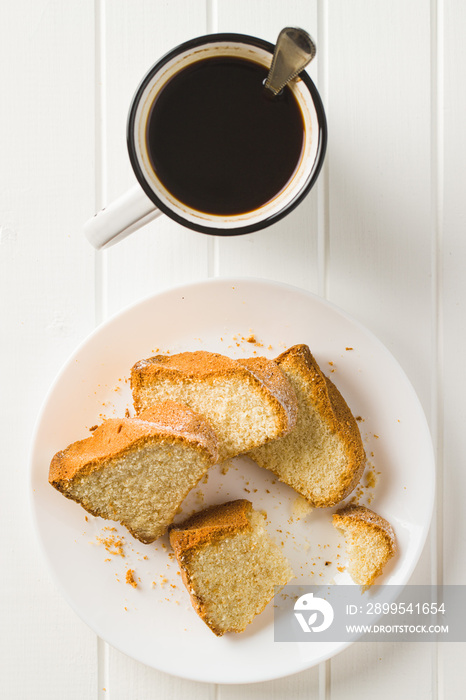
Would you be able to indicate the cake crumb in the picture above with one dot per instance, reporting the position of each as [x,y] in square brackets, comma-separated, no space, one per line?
[371,479]
[112,543]
[300,508]
[130,578]
[225,466]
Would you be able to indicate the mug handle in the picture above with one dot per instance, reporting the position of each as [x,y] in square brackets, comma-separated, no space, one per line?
[126,214]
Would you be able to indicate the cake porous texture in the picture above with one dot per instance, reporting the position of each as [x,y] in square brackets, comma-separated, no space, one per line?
[247,402]
[323,457]
[137,471]
[229,564]
[370,542]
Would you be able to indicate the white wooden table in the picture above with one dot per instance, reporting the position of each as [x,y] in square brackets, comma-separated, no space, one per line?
[382,236]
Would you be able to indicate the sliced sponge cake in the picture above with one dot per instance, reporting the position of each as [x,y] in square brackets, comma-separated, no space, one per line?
[137,471]
[322,458]
[229,564]
[370,542]
[247,403]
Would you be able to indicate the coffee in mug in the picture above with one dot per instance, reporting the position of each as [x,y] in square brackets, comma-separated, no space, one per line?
[219,141]
[211,147]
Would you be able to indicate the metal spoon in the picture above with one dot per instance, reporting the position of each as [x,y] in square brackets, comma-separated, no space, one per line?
[293,51]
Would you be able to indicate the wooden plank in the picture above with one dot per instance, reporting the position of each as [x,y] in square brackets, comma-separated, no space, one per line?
[452,312]
[300,686]
[135,35]
[379,162]
[46,283]
[379,266]
[142,682]
[287,251]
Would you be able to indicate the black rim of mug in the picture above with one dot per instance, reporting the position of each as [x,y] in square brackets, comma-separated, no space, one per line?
[249,228]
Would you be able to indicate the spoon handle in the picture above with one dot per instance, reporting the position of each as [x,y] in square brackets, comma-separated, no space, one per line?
[293,51]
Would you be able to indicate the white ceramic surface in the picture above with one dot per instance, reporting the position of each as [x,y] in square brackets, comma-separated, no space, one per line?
[155,623]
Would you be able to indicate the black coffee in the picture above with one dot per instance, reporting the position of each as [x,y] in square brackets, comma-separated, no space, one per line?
[219,141]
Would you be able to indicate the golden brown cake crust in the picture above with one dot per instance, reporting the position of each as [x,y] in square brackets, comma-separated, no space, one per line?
[365,517]
[210,525]
[165,421]
[361,515]
[201,366]
[333,408]
[269,373]
[376,546]
[203,528]
[192,365]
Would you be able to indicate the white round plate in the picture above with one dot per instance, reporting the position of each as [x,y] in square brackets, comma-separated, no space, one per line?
[154,622]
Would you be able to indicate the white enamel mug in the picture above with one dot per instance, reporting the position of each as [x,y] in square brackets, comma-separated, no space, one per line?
[149,198]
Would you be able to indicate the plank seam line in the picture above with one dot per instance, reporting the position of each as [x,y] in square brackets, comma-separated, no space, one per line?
[100,257]
[323,231]
[437,206]
[325,680]
[103,690]
[100,196]
[323,221]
